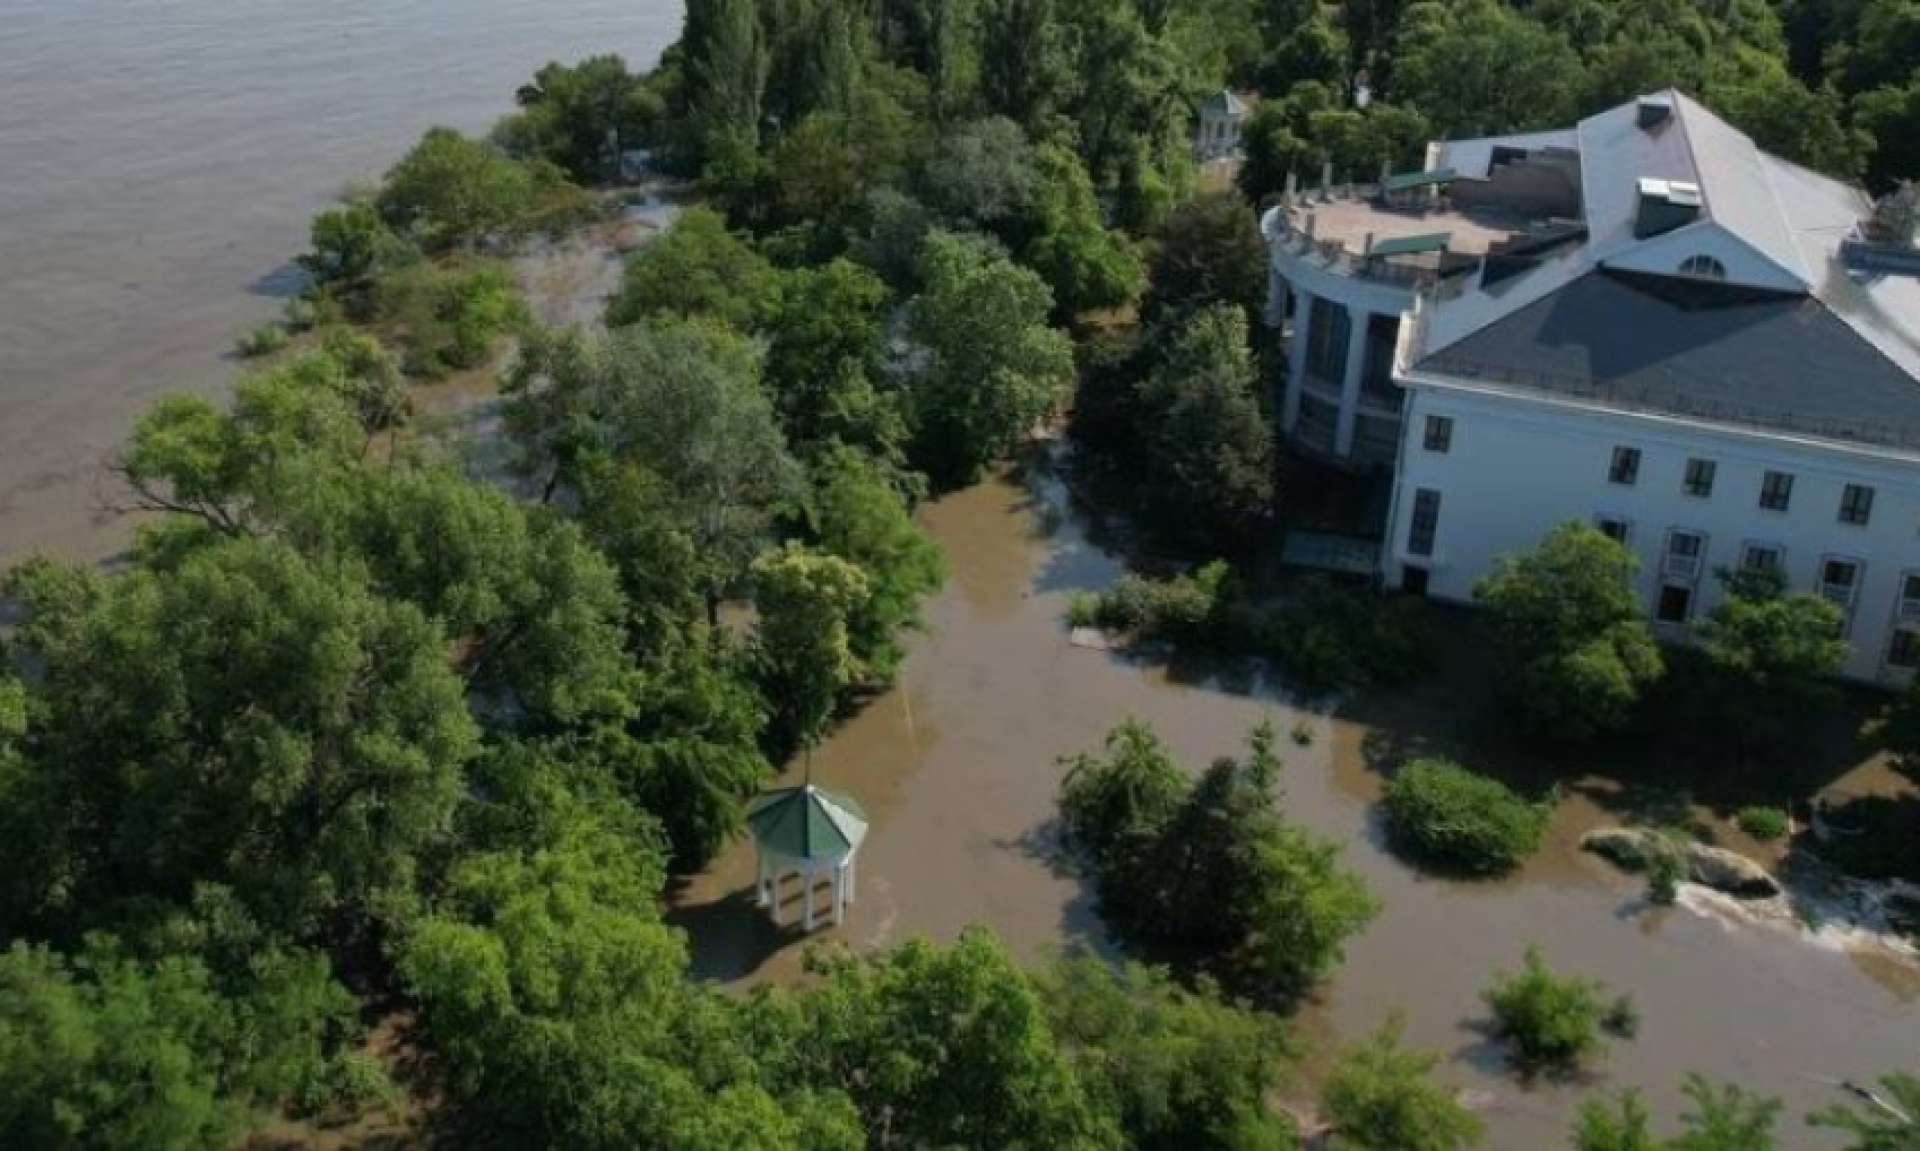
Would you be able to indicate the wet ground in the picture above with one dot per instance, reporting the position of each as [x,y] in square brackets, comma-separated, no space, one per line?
[958,768]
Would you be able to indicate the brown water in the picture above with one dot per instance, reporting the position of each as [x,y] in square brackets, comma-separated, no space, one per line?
[957,766]
[159,161]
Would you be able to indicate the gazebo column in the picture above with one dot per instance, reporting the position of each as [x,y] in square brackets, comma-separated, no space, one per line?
[809,878]
[1350,386]
[839,895]
[851,861]
[1303,305]
[773,894]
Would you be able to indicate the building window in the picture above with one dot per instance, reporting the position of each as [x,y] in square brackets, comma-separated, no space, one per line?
[1618,530]
[1776,491]
[1439,436]
[1840,585]
[1856,504]
[1699,482]
[1675,604]
[1686,554]
[1327,331]
[1625,468]
[1426,522]
[1703,268]
[1904,651]
[1762,558]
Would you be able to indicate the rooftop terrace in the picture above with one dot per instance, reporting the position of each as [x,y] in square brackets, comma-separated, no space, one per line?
[1411,238]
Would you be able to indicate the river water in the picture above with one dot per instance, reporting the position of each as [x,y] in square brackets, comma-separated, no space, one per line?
[159,161]
[958,768]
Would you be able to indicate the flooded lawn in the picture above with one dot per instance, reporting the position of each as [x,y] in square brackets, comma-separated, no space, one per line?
[958,768]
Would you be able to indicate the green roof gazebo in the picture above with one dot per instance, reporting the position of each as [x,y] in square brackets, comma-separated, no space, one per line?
[806,831]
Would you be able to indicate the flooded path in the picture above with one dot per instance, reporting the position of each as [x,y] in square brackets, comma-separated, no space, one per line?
[957,767]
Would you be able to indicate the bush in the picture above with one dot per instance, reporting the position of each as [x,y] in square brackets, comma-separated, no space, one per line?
[1328,637]
[1186,610]
[1552,1022]
[1665,871]
[1445,814]
[1765,824]
[1380,1097]
[264,340]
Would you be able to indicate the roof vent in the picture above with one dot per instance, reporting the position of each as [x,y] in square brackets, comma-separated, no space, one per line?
[1653,112]
[1664,206]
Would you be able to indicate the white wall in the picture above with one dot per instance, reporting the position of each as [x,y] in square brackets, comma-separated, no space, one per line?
[1519,466]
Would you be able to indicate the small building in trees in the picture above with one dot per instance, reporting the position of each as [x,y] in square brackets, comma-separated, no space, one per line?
[1643,322]
[810,833]
[1222,116]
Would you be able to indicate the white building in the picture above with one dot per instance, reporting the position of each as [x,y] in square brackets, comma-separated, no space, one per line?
[1643,322]
[1222,115]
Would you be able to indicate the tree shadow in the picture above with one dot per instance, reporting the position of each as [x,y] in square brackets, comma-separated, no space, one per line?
[280,283]
[732,937]
[1082,929]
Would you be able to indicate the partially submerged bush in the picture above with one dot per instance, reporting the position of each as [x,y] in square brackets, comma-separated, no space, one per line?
[1185,610]
[1328,637]
[264,340]
[1552,1022]
[1381,1097]
[1765,824]
[1443,813]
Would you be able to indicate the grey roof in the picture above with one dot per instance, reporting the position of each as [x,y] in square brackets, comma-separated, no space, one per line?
[1223,103]
[1724,354]
[1474,157]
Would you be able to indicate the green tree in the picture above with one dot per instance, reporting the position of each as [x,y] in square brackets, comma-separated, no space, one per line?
[992,367]
[1026,64]
[581,117]
[1479,67]
[350,244]
[1440,811]
[1208,252]
[981,172]
[946,1048]
[1772,655]
[1380,1097]
[245,717]
[697,269]
[802,649]
[452,191]
[1114,807]
[1179,1069]
[1552,1022]
[726,66]
[1207,471]
[1087,265]
[103,1051]
[1726,1119]
[861,518]
[1875,1127]
[823,359]
[1578,651]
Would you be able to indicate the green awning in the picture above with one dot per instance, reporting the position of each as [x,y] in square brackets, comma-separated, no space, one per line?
[1412,245]
[1406,181]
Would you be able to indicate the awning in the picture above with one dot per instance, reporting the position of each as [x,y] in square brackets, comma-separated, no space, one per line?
[1405,181]
[1412,245]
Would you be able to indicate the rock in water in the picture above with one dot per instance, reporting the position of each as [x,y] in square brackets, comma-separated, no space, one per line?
[1626,848]
[1730,872]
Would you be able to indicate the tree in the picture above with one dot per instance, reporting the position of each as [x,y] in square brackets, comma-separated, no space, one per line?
[1479,67]
[697,269]
[1178,1069]
[1772,655]
[1087,265]
[993,368]
[1726,1119]
[451,191]
[1891,1123]
[727,62]
[981,172]
[1579,653]
[1379,1097]
[1208,252]
[946,1048]
[1209,451]
[1114,808]
[823,359]
[350,244]
[582,117]
[801,645]
[682,400]
[859,517]
[243,716]
[103,1051]
[1552,1022]
[1026,67]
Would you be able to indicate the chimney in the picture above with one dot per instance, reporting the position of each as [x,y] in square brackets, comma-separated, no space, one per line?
[1653,111]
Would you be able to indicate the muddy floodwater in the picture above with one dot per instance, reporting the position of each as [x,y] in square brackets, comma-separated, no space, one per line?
[159,161]
[958,768]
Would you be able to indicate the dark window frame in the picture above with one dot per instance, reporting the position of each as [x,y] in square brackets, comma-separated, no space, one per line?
[1624,468]
[1776,491]
[1438,435]
[1856,505]
[1423,525]
[1700,475]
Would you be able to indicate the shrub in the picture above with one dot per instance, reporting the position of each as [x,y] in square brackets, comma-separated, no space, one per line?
[1665,870]
[1328,637]
[264,340]
[1763,823]
[1183,610]
[1622,1018]
[1380,1097]
[1083,609]
[1445,814]
[1552,1022]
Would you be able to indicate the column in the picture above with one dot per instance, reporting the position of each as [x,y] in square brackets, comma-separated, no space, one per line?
[1303,305]
[851,861]
[807,877]
[773,905]
[1350,386]
[839,895]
